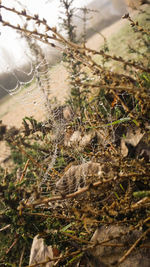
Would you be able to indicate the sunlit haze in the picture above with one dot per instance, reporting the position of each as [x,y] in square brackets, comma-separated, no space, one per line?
[12,48]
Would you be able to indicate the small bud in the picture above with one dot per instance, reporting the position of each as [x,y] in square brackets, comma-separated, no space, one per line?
[23,12]
[44,20]
[125,16]
[54,29]
[47,29]
[35,31]
[36,16]
[5,23]
[54,36]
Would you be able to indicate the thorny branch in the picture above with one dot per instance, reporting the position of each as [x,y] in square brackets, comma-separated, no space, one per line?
[75,194]
[133,247]
[135,24]
[59,38]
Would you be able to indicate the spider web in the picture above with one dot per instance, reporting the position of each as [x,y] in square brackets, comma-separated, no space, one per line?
[37,97]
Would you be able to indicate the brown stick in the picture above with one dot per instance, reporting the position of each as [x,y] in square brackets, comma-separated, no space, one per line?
[5,227]
[13,244]
[21,257]
[24,171]
[132,247]
[83,190]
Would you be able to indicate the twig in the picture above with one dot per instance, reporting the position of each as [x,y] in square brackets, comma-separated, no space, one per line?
[140,203]
[13,244]
[104,136]
[136,24]
[21,257]
[119,59]
[126,109]
[132,247]
[77,238]
[111,87]
[58,37]
[40,166]
[24,171]
[5,227]
[81,191]
[56,258]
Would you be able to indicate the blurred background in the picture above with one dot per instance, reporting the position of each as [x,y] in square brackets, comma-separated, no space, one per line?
[16,59]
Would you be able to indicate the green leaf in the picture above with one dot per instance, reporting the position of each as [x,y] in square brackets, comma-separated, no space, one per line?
[122,188]
[75,258]
[118,121]
[116,195]
[136,123]
[67,227]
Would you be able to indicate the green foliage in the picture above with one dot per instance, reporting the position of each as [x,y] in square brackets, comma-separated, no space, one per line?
[67,19]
